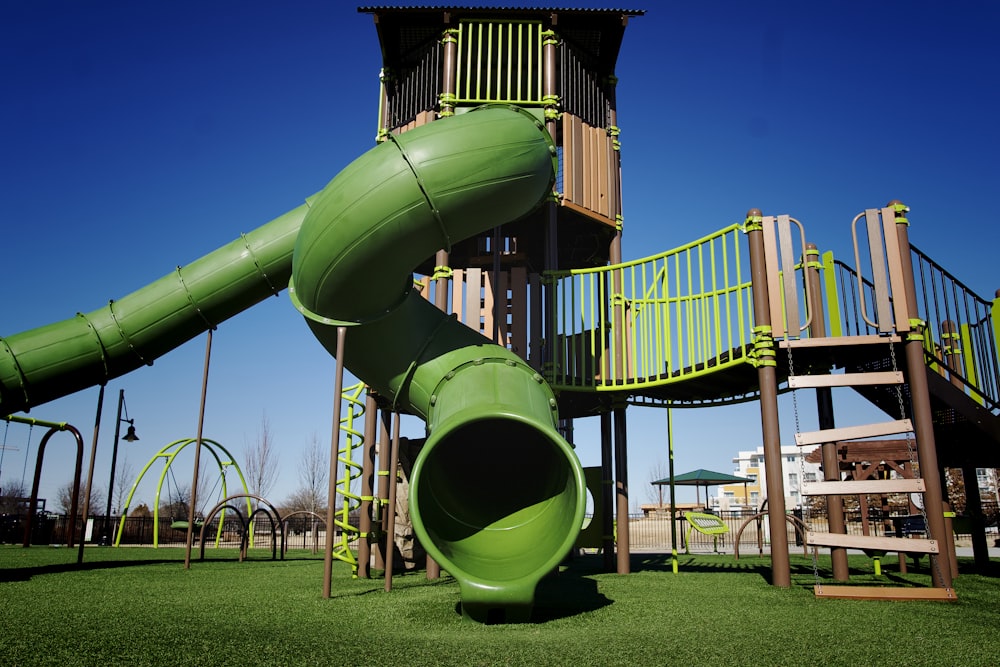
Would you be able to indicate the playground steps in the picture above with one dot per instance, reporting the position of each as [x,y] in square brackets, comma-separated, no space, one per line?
[885,593]
[873,543]
[873,378]
[853,487]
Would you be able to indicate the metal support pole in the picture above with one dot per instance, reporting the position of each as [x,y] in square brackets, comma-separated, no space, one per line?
[673,492]
[106,539]
[197,452]
[974,509]
[393,484]
[331,493]
[621,489]
[90,476]
[384,447]
[920,402]
[767,378]
[367,488]
[607,494]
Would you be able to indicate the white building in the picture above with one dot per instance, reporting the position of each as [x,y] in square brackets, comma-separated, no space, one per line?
[794,470]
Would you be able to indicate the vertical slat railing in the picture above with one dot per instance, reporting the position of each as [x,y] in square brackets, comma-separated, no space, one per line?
[682,313]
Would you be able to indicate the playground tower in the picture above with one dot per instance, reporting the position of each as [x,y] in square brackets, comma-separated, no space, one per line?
[559,65]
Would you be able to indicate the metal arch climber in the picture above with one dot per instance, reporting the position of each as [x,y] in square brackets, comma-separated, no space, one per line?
[271,512]
[169,453]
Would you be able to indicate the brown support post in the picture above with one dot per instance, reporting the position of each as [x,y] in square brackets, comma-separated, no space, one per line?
[442,276]
[923,425]
[824,408]
[331,493]
[197,451]
[621,489]
[391,513]
[951,345]
[382,499]
[974,509]
[607,494]
[767,378]
[367,488]
[449,61]
[551,263]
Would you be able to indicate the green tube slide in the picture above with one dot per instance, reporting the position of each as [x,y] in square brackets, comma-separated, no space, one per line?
[58,359]
[497,496]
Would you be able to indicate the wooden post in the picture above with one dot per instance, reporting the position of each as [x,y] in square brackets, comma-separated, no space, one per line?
[824,408]
[331,494]
[767,379]
[621,490]
[367,488]
[923,424]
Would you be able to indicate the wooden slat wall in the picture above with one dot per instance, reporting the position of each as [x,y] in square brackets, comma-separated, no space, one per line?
[590,168]
[519,313]
[422,118]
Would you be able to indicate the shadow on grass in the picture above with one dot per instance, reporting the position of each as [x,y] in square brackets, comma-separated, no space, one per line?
[12,574]
[568,593]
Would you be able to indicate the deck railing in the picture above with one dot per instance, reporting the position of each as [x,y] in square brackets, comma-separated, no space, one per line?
[654,321]
[960,339]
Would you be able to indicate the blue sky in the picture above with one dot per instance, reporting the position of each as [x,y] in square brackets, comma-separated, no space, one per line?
[140,136]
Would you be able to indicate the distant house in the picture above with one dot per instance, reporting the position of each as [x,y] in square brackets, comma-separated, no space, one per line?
[794,470]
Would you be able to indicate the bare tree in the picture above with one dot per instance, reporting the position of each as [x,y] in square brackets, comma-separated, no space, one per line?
[654,494]
[65,498]
[261,466]
[313,474]
[124,476]
[9,496]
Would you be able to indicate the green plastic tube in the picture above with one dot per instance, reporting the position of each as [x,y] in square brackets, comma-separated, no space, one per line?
[497,496]
[40,365]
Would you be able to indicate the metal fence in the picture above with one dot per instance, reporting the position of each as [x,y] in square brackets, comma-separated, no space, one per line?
[647,532]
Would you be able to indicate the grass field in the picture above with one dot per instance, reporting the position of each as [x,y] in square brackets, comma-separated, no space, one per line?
[139,606]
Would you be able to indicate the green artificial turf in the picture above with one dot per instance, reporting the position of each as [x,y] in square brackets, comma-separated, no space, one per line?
[139,606]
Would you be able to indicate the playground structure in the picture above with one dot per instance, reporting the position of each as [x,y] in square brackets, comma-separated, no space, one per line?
[168,453]
[496,180]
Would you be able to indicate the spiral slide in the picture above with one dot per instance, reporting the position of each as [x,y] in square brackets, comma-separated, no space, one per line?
[497,496]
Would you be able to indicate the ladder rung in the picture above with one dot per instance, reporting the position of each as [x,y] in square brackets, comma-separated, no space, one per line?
[861,486]
[844,379]
[853,432]
[904,544]
[884,593]
[838,341]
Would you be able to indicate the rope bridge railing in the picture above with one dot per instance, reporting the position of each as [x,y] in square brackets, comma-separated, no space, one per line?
[662,319]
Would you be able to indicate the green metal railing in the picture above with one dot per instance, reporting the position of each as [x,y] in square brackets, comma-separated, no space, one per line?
[499,61]
[651,322]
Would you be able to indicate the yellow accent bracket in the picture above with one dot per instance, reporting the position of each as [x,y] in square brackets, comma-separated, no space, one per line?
[901,208]
[753,223]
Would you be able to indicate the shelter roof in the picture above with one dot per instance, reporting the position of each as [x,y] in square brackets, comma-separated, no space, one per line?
[702,477]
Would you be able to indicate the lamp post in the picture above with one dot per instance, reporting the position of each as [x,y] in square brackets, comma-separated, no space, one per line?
[130,436]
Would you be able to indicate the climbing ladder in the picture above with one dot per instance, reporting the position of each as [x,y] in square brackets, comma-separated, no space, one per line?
[892,321]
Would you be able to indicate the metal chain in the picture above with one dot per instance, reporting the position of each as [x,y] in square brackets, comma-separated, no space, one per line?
[911,453]
[802,467]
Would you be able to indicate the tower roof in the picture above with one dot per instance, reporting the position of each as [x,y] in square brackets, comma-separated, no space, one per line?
[595,33]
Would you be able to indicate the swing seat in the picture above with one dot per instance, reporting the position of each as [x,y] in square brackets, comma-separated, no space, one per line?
[183,525]
[706,524]
[885,593]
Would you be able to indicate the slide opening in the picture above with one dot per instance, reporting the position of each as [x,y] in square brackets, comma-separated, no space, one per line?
[498,498]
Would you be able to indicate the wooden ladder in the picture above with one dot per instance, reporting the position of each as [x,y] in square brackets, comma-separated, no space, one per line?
[862,487]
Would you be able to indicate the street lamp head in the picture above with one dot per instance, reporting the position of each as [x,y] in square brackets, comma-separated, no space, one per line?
[130,435]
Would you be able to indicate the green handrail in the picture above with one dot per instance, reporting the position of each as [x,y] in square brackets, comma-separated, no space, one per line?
[676,315]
